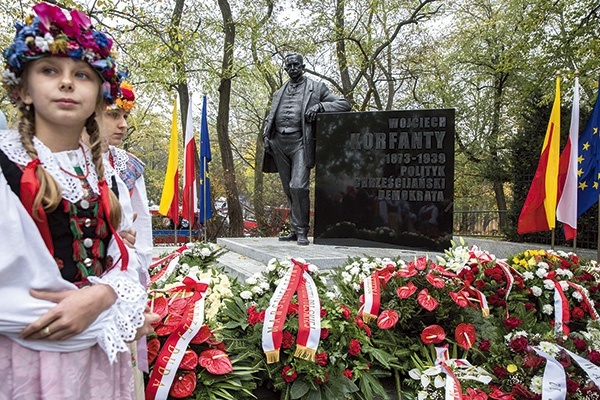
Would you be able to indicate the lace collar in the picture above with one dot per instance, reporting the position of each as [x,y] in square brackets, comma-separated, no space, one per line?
[120,158]
[72,188]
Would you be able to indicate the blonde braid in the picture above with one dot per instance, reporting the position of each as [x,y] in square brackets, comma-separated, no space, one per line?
[91,126]
[50,193]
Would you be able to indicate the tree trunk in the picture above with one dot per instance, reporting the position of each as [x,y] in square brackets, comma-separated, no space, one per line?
[236,221]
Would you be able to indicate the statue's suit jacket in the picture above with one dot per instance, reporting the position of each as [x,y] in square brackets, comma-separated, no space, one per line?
[314,93]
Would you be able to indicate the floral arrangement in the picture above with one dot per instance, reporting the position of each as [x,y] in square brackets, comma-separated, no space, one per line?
[470,326]
[187,290]
[345,365]
[51,32]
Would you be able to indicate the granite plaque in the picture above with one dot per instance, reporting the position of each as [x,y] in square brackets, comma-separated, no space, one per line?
[385,179]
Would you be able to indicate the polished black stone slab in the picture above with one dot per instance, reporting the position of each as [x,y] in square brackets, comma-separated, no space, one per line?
[385,177]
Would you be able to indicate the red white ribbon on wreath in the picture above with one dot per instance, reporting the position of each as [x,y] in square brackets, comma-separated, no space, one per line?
[585,299]
[172,352]
[453,389]
[372,297]
[169,263]
[297,279]
[562,316]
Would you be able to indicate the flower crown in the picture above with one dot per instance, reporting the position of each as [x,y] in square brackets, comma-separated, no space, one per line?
[126,97]
[52,33]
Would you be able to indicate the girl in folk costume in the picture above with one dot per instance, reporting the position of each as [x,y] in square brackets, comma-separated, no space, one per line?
[71,294]
[113,128]
[113,123]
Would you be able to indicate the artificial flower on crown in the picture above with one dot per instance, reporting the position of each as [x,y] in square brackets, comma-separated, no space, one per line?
[52,32]
[126,98]
[345,366]
[187,290]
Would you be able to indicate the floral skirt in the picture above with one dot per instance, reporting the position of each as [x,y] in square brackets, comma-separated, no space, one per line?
[27,374]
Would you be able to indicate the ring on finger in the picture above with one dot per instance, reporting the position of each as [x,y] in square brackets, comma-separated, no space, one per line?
[47,331]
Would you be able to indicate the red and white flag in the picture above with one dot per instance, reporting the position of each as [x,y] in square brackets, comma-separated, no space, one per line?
[566,211]
[190,190]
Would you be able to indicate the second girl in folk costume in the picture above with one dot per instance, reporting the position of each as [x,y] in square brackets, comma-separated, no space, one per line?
[70,287]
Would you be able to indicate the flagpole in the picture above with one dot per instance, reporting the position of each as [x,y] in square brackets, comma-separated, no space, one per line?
[598,233]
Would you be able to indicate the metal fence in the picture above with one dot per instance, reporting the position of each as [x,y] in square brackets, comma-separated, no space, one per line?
[478,223]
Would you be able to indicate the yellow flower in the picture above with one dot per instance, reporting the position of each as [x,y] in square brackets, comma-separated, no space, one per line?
[511,368]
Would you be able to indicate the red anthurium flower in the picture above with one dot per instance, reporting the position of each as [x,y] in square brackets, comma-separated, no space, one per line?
[169,325]
[435,281]
[427,301]
[183,385]
[178,306]
[406,291]
[202,336]
[433,334]
[465,335]
[153,348]
[159,306]
[189,360]
[460,299]
[407,271]
[387,319]
[216,362]
[442,271]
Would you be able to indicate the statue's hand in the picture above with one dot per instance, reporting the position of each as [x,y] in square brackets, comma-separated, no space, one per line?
[267,144]
[311,113]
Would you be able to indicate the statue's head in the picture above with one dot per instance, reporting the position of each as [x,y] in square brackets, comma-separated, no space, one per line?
[294,65]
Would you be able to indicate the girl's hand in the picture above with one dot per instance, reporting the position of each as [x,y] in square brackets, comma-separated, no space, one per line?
[147,329]
[74,312]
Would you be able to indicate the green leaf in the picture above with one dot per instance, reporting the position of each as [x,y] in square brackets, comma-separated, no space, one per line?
[299,388]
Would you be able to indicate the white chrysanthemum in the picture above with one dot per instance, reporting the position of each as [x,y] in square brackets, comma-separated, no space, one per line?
[264,285]
[346,277]
[549,348]
[313,268]
[528,275]
[251,280]
[548,284]
[205,252]
[544,265]
[536,384]
[246,295]
[355,270]
[548,309]
[577,296]
[184,268]
[541,272]
[536,291]
[257,290]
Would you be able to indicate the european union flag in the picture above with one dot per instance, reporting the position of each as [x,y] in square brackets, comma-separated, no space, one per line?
[205,202]
[588,171]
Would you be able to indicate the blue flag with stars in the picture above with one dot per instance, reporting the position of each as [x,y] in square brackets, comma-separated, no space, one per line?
[588,171]
[205,202]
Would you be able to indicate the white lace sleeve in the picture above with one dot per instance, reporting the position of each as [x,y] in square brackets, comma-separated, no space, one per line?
[127,313]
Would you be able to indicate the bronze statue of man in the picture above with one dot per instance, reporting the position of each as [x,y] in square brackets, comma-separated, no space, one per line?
[289,139]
